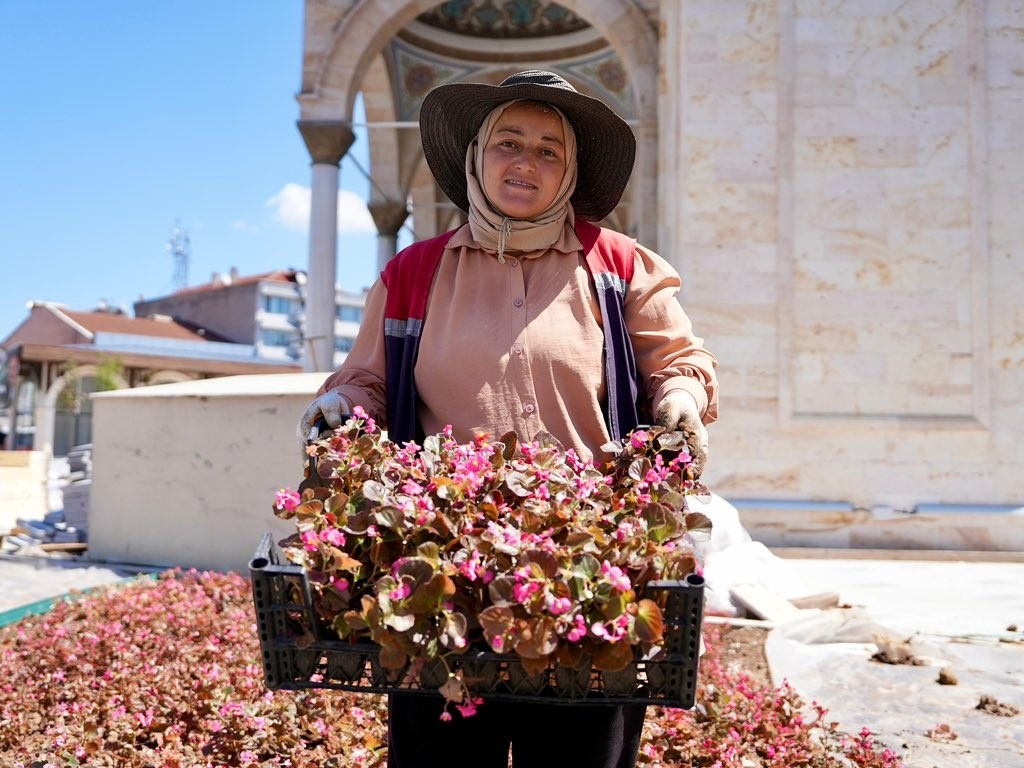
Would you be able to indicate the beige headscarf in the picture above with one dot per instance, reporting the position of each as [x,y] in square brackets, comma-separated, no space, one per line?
[492,229]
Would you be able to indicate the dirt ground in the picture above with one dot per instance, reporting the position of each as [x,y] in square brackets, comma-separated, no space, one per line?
[743,648]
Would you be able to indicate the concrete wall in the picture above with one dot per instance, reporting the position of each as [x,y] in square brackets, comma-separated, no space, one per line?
[23,487]
[184,474]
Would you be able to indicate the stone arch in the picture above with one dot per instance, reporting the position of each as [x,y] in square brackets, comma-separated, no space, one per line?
[167,377]
[345,43]
[46,407]
[80,371]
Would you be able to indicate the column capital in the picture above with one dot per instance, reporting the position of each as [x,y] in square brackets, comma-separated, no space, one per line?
[389,216]
[326,140]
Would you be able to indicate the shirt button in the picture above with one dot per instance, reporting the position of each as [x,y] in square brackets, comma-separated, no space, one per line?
[517,348]
[518,302]
[514,262]
[530,408]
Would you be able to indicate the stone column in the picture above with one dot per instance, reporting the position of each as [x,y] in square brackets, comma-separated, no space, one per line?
[327,142]
[389,217]
[671,142]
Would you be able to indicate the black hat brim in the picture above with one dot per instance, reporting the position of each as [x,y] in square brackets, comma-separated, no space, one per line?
[451,116]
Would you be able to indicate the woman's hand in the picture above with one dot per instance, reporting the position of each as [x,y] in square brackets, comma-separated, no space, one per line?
[332,406]
[678,411]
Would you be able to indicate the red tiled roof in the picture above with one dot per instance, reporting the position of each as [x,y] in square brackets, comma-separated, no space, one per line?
[108,322]
[278,276]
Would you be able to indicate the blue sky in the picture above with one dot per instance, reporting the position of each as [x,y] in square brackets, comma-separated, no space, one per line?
[123,117]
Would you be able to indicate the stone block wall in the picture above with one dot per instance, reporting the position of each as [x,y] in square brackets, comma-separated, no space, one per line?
[849,244]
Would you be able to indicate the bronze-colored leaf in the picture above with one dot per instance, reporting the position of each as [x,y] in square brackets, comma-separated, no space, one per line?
[392,656]
[648,623]
[611,657]
[698,525]
[496,620]
[518,483]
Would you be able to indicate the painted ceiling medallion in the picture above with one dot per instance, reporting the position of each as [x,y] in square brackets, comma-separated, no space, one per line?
[506,19]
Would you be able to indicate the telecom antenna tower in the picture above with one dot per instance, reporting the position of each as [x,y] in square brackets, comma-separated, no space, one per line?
[181,249]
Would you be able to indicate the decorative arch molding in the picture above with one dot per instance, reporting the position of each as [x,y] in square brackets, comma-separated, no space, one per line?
[344,44]
[167,377]
[362,31]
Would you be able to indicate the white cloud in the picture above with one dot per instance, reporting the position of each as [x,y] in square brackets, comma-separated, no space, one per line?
[292,204]
[241,225]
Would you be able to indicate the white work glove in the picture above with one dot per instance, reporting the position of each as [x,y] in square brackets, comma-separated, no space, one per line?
[678,411]
[332,406]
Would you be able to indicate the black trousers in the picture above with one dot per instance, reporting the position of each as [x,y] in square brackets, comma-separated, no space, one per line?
[540,735]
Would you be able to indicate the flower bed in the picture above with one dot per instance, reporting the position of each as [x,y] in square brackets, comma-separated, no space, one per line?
[161,672]
[517,549]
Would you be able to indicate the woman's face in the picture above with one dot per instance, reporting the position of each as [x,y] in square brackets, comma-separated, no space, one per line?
[524,160]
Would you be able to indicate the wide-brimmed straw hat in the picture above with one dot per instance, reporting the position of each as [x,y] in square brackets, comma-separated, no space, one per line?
[451,115]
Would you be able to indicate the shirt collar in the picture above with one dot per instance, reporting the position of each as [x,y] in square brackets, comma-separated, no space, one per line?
[566,243]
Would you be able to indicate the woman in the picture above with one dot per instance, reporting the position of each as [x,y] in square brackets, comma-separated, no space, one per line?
[529,319]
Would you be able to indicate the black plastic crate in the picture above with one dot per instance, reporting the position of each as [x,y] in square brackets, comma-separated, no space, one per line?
[298,655]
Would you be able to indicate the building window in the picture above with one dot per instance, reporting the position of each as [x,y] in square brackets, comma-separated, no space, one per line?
[343,343]
[279,305]
[349,314]
[270,337]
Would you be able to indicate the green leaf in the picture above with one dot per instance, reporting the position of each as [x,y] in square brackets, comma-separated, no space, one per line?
[586,566]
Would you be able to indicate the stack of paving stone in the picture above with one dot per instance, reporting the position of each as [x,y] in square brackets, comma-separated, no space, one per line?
[76,496]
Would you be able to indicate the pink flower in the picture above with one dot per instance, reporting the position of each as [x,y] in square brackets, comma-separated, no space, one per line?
[446,716]
[614,574]
[310,541]
[333,536]
[287,499]
[400,592]
[469,708]
[559,605]
[638,439]
[579,630]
